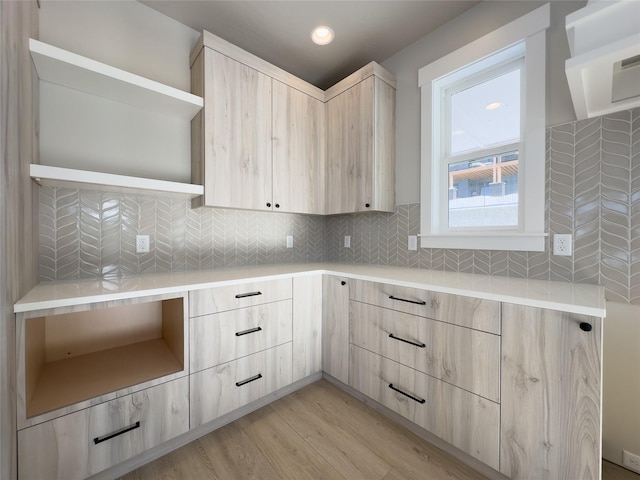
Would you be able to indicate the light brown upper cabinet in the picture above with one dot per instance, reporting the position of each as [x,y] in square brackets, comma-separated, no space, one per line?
[298,150]
[267,140]
[361,142]
[259,142]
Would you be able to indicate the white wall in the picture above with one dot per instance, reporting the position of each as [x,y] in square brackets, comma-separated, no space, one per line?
[88,133]
[471,25]
[621,382]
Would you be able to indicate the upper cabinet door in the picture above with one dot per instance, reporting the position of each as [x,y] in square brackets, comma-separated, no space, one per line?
[298,151]
[236,132]
[361,148]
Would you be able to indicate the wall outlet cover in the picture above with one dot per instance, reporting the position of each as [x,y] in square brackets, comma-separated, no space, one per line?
[412,243]
[631,461]
[563,244]
[347,241]
[142,243]
[289,241]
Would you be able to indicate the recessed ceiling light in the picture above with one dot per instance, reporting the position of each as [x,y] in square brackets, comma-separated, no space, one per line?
[493,106]
[322,35]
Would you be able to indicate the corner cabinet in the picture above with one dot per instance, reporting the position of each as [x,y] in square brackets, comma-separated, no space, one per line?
[266,140]
[258,144]
[361,142]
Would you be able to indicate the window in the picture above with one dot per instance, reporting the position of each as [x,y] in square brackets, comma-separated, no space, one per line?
[483,120]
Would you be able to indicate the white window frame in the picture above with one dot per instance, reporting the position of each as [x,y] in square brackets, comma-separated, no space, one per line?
[529,235]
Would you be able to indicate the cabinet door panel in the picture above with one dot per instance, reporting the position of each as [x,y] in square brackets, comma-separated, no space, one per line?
[229,386]
[298,151]
[220,299]
[350,149]
[226,336]
[65,448]
[469,312]
[335,327]
[307,326]
[551,383]
[237,137]
[461,356]
[463,419]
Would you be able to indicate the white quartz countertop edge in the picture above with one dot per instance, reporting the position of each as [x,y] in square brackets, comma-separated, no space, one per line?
[574,298]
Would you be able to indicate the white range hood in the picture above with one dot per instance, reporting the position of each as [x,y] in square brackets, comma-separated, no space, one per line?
[604,68]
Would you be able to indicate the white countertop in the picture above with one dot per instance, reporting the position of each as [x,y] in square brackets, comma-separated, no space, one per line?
[569,297]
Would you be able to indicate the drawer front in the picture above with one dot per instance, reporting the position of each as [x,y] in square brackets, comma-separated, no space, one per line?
[227,336]
[66,448]
[229,386]
[461,356]
[467,421]
[221,299]
[457,309]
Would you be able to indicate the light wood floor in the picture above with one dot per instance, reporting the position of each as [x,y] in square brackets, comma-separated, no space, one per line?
[318,432]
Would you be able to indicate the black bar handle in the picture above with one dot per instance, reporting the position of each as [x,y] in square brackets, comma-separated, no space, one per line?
[247,332]
[415,399]
[415,344]
[98,440]
[585,326]
[408,301]
[250,294]
[249,380]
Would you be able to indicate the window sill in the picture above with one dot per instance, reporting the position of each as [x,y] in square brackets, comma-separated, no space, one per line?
[528,242]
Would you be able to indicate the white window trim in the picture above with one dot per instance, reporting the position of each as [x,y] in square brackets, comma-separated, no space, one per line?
[530,235]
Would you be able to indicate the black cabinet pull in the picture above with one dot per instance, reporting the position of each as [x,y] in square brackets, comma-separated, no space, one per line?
[367,205]
[408,301]
[391,335]
[343,283]
[585,327]
[277,205]
[250,294]
[269,204]
[247,332]
[415,399]
[98,440]
[249,380]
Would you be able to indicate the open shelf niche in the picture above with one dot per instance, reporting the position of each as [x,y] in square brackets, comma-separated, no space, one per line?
[61,67]
[73,357]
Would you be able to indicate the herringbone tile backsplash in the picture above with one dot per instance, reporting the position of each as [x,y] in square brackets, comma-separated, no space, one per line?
[593,192]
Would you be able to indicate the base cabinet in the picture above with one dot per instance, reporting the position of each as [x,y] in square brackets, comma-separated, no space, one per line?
[335,327]
[551,394]
[83,443]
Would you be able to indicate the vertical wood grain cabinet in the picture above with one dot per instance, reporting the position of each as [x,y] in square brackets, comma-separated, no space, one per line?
[551,394]
[259,141]
[335,327]
[517,387]
[361,142]
[266,140]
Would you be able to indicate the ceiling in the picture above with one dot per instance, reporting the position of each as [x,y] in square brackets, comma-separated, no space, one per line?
[279,31]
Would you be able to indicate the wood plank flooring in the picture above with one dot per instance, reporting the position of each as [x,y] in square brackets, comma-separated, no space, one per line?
[318,432]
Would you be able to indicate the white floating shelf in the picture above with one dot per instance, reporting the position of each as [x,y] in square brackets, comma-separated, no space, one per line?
[106,182]
[74,71]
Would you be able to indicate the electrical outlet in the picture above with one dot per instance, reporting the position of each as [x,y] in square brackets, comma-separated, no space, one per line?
[631,461]
[289,241]
[347,241]
[142,243]
[413,242]
[562,244]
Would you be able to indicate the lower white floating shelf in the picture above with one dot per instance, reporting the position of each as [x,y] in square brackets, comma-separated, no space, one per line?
[107,182]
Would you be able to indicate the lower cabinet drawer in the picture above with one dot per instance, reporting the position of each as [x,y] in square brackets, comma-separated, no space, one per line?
[229,386]
[223,337]
[83,443]
[467,358]
[467,421]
